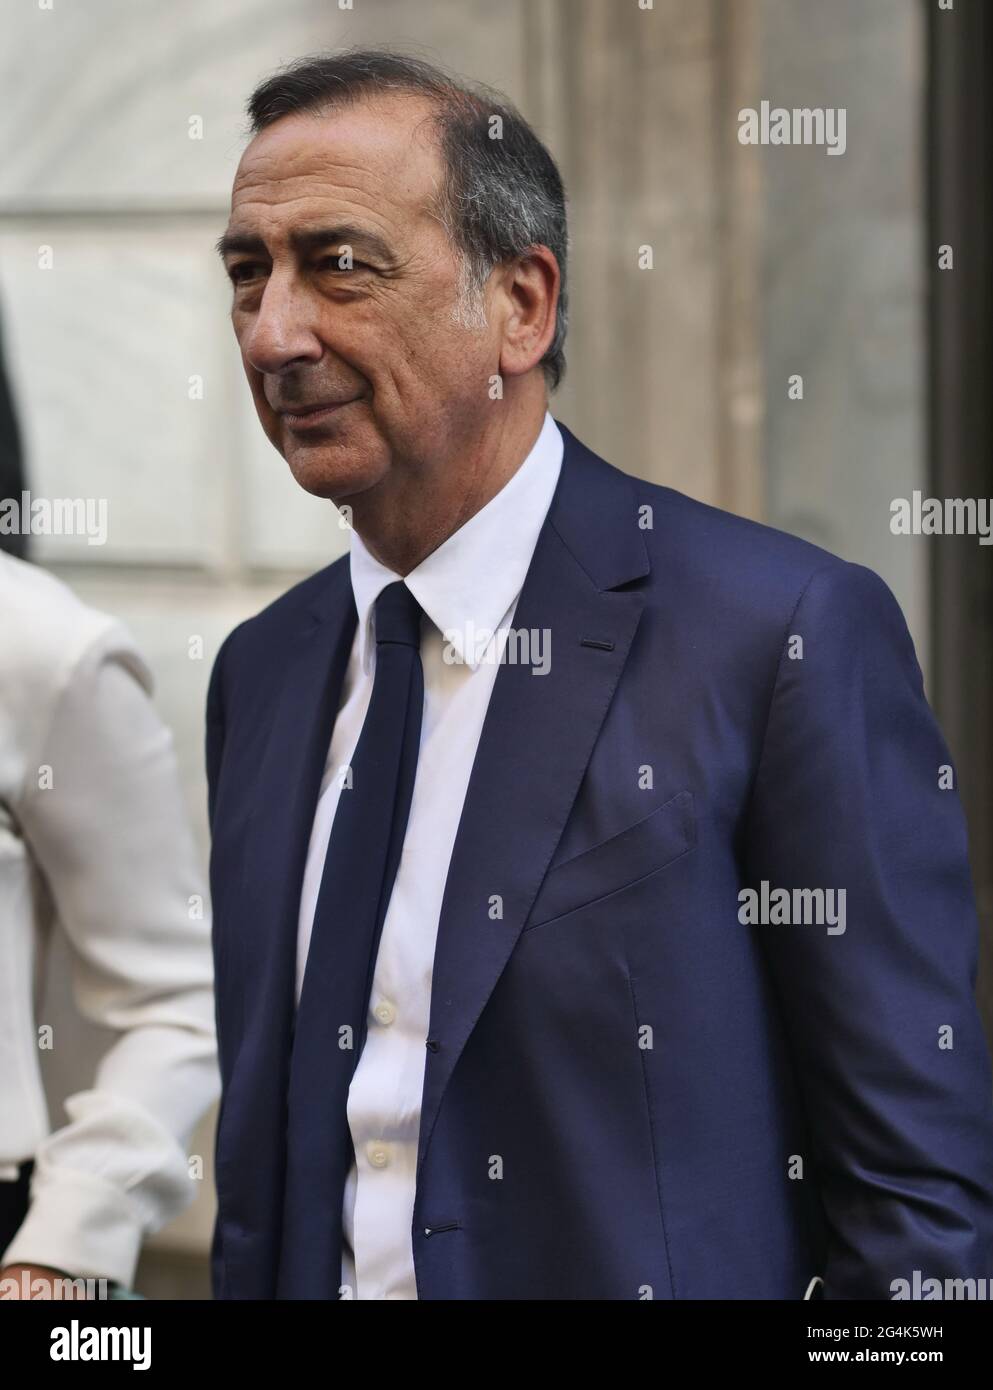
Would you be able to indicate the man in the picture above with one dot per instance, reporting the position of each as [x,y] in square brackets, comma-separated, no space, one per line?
[94,842]
[494,1019]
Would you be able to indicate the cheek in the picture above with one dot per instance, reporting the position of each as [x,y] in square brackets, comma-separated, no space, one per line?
[266,413]
[437,356]
[271,424]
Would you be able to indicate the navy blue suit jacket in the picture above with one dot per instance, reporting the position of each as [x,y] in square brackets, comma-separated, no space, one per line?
[684,1106]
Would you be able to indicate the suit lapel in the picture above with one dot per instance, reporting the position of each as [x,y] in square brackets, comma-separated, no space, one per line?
[286,798]
[535,745]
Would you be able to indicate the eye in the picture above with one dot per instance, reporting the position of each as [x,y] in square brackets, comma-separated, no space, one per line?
[335,263]
[242,271]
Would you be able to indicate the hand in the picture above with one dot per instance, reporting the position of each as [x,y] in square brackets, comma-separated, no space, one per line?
[37,1282]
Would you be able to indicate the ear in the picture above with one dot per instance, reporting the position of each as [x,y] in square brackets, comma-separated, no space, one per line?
[529,294]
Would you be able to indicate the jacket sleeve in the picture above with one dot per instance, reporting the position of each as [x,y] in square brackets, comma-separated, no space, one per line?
[881,1015]
[111,840]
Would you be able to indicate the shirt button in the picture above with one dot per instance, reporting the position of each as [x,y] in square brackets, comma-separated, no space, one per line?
[385,1012]
[377,1153]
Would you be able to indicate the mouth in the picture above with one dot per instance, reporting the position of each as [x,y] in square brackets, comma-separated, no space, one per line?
[313,416]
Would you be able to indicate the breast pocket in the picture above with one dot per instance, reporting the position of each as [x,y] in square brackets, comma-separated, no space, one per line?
[664,835]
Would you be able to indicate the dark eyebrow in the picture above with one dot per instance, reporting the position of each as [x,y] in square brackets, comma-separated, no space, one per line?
[307,240]
[239,241]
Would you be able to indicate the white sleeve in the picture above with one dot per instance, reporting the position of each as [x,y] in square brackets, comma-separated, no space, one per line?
[110,837]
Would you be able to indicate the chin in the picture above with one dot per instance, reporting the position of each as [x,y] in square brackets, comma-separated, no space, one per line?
[334,474]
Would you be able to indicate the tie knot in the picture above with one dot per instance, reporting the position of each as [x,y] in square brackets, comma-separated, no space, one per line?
[398,616]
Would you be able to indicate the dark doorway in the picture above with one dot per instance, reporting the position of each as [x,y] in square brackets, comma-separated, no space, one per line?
[960,127]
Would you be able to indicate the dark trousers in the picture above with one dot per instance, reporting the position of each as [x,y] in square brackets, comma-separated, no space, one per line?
[14,1204]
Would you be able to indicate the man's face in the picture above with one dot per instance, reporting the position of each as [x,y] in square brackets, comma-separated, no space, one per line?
[353,370]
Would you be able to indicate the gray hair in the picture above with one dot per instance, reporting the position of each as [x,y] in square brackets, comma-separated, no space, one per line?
[502,194]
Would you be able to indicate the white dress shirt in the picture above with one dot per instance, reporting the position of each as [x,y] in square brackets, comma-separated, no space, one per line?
[468,588]
[94,840]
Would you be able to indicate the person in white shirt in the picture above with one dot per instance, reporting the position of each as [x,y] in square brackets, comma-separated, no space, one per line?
[94,841]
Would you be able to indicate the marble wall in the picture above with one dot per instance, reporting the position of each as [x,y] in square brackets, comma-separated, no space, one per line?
[843,286]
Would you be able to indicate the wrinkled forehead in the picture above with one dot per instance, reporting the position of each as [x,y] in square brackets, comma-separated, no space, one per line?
[378,157]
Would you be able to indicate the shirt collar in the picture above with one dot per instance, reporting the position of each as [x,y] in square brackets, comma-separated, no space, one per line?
[468,584]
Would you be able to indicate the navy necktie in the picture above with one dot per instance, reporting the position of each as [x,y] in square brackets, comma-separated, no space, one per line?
[363,852]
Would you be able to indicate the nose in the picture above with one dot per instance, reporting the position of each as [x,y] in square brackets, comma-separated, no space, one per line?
[283,330]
